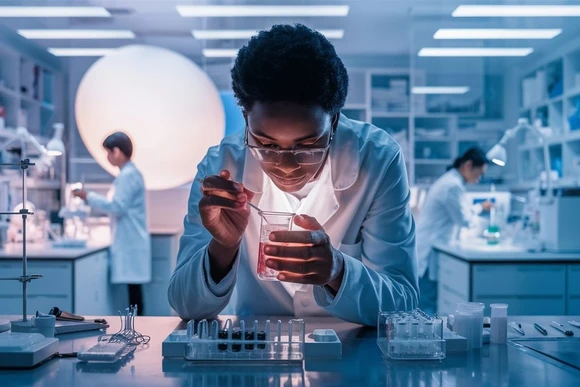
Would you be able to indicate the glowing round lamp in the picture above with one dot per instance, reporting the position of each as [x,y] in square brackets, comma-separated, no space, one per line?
[167,105]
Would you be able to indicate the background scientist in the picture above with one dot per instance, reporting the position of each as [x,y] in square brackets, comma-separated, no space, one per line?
[444,212]
[125,204]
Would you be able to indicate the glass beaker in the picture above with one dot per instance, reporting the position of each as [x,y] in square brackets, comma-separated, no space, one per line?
[271,221]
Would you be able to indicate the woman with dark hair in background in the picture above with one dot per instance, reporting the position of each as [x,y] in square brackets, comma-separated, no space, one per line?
[125,204]
[445,211]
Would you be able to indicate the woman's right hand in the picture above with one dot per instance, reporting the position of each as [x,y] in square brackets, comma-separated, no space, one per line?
[223,209]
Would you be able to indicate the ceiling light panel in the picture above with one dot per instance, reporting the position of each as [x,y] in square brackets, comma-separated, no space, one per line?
[247,34]
[440,89]
[54,12]
[262,10]
[80,51]
[496,33]
[220,53]
[517,11]
[474,52]
[77,34]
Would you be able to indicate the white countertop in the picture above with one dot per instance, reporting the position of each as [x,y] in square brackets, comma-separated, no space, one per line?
[47,251]
[479,251]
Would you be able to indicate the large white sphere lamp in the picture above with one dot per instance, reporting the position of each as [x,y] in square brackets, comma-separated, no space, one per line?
[167,105]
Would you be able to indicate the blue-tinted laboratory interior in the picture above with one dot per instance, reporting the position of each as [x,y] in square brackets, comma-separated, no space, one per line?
[290,193]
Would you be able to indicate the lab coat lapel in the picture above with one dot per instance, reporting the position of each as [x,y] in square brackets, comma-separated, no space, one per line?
[344,169]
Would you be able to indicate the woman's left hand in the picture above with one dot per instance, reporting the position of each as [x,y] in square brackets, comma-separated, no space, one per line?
[79,193]
[310,259]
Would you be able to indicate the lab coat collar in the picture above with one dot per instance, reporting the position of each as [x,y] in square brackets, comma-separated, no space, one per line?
[129,163]
[457,175]
[344,159]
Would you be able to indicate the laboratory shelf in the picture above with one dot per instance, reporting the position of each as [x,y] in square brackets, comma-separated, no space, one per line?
[390,114]
[8,92]
[47,106]
[29,100]
[354,106]
[433,139]
[435,115]
[433,161]
[573,93]
[573,136]
[36,183]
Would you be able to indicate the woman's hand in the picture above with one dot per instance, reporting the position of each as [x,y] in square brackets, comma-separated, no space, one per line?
[79,193]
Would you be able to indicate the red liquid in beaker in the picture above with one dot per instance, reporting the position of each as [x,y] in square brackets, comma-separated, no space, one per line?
[264,272]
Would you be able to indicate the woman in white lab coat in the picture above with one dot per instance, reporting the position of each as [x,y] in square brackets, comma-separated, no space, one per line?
[445,211]
[356,253]
[130,252]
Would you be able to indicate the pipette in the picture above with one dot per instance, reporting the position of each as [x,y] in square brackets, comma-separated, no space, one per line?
[574,323]
[561,328]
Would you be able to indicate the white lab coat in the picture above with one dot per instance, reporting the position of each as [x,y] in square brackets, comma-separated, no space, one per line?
[365,213]
[445,211]
[131,242]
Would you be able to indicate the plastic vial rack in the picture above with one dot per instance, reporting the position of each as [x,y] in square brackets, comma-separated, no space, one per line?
[410,336]
[243,343]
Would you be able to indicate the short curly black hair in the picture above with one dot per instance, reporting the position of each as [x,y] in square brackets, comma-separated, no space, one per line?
[290,63]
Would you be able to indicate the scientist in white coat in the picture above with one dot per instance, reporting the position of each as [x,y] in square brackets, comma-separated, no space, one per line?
[298,154]
[444,212]
[130,252]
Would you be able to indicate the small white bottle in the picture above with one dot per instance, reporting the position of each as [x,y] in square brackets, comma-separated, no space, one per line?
[499,323]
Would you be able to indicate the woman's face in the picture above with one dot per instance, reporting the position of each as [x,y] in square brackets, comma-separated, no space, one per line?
[472,173]
[289,126]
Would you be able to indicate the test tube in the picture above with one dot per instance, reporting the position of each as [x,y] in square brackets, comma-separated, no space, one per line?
[190,329]
[215,327]
[279,331]
[290,331]
[402,330]
[202,329]
[267,329]
[428,329]
[414,329]
[243,333]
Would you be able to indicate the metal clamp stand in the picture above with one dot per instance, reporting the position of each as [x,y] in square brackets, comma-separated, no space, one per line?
[25,278]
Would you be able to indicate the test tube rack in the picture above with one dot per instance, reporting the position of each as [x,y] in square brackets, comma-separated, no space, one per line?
[412,335]
[205,341]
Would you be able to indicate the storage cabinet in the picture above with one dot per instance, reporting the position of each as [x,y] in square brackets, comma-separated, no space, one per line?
[164,257]
[529,288]
[77,285]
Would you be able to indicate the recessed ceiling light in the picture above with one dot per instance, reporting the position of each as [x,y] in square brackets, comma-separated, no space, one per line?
[54,12]
[474,52]
[516,11]
[440,89]
[80,51]
[496,33]
[220,52]
[262,10]
[247,34]
[77,34]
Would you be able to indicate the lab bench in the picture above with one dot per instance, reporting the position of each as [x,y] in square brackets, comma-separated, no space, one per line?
[361,363]
[77,279]
[531,283]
